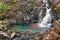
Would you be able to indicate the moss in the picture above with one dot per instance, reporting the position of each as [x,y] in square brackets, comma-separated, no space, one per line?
[57,8]
[3,7]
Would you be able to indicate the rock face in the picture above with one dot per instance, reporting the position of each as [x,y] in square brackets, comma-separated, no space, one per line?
[19,11]
[25,11]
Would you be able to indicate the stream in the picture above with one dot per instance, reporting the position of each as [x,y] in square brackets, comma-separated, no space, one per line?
[44,23]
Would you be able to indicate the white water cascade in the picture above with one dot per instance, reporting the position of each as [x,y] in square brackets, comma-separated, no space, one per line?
[46,21]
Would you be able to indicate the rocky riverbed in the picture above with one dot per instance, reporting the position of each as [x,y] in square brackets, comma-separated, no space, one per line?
[19,12]
[51,34]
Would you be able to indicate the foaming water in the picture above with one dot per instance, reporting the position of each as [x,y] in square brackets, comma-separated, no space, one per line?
[46,21]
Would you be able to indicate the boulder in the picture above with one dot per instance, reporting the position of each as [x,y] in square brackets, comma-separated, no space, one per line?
[37,2]
[57,26]
[57,8]
[37,38]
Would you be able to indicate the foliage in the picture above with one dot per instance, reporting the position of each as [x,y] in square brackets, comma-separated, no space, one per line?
[3,7]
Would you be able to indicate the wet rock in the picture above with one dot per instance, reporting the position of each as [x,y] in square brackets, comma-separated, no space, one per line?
[16,39]
[24,38]
[33,25]
[12,21]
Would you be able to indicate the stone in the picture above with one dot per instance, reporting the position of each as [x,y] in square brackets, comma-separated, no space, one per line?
[57,26]
[37,2]
[55,35]
[37,38]
[12,21]
[57,8]
[1,26]
[4,34]
[33,25]
[12,35]
[48,37]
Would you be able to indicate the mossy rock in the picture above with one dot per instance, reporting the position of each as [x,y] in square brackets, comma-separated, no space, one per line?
[57,8]
[37,2]
[6,21]
[3,7]
[1,26]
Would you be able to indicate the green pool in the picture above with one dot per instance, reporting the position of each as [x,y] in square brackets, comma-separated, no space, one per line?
[26,28]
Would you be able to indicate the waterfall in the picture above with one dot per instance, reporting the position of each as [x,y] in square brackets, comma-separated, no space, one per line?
[40,16]
[45,1]
[46,21]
